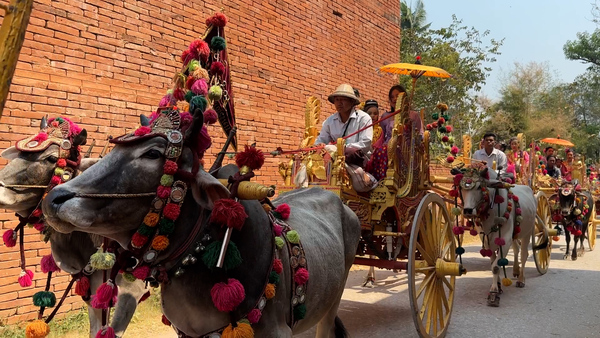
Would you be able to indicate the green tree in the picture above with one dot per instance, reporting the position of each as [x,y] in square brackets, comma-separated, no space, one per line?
[585,48]
[414,19]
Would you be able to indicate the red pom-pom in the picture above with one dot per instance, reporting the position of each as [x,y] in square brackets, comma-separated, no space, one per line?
[441,121]
[138,240]
[517,230]
[458,231]
[458,178]
[486,252]
[537,148]
[41,137]
[498,199]
[506,215]
[544,171]
[61,163]
[141,272]
[445,138]
[163,192]
[518,211]
[107,332]
[143,130]
[429,127]
[203,50]
[165,320]
[210,116]
[515,198]
[25,278]
[82,287]
[219,20]
[301,276]
[48,264]
[37,213]
[227,296]
[453,193]
[254,316]
[284,211]
[179,94]
[449,129]
[450,159]
[499,241]
[434,125]
[229,213]
[217,68]
[578,233]
[171,211]
[277,265]
[39,226]
[454,150]
[185,57]
[10,238]
[251,157]
[277,229]
[473,232]
[170,167]
[106,292]
[189,82]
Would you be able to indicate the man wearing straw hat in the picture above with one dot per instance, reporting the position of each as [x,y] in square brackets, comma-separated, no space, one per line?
[346,121]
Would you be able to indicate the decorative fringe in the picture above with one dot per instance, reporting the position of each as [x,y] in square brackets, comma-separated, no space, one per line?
[233,258]
[230,213]
[241,330]
[37,329]
[227,296]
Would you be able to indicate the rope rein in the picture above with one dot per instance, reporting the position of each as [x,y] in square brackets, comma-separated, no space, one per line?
[22,186]
[143,194]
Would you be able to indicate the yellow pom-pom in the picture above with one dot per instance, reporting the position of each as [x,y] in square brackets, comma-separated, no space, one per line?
[160,243]
[506,282]
[242,330]
[270,291]
[37,329]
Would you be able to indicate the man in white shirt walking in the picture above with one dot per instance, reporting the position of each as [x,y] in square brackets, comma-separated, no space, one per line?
[489,154]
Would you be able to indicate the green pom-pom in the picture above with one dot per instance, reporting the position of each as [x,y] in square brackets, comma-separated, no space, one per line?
[299,312]
[193,65]
[44,299]
[215,93]
[446,117]
[59,171]
[274,278]
[170,91]
[502,262]
[279,242]
[233,258]
[59,120]
[189,95]
[166,180]
[102,260]
[435,116]
[451,139]
[129,277]
[293,237]
[198,103]
[167,227]
[460,250]
[146,230]
[456,211]
[218,43]
[442,129]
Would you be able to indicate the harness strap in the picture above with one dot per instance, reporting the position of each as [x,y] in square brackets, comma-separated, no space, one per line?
[62,299]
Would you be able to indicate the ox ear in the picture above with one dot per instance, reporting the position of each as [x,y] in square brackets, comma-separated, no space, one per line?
[483,172]
[81,138]
[10,153]
[207,190]
[144,121]
[86,163]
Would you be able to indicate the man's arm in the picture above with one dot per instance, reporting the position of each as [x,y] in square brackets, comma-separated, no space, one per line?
[365,136]
[324,136]
[502,162]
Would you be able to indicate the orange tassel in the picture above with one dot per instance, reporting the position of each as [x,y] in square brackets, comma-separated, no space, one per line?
[270,291]
[37,329]
[242,330]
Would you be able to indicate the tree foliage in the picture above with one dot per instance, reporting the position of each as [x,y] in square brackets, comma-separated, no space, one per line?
[585,48]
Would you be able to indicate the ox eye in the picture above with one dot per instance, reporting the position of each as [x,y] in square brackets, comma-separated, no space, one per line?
[52,159]
[152,154]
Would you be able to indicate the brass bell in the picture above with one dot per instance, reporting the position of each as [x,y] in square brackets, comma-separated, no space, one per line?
[199,248]
[179,272]
[188,260]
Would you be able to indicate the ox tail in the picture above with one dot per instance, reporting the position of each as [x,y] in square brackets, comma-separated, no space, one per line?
[340,329]
[542,245]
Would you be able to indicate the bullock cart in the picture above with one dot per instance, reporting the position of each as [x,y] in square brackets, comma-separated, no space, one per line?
[405,220]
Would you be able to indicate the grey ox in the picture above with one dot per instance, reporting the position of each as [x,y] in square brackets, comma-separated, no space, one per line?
[328,229]
[71,251]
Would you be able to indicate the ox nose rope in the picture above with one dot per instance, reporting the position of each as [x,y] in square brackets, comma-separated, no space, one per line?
[22,186]
[143,194]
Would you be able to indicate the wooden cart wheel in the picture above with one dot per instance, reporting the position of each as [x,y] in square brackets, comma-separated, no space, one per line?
[432,267]
[591,231]
[540,234]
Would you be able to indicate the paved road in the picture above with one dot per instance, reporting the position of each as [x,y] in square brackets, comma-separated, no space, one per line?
[563,303]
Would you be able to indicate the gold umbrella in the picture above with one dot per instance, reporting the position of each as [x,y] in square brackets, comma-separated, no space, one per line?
[415,70]
[558,141]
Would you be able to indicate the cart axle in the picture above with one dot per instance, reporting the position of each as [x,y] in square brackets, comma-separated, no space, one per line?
[443,268]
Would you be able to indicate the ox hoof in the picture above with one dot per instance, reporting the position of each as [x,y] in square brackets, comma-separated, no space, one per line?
[493,299]
[370,283]
[516,274]
[520,284]
[581,252]
[566,256]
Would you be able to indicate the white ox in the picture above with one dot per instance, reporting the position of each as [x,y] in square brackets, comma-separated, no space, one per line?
[473,186]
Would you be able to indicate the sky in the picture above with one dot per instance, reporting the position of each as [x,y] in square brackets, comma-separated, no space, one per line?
[533,30]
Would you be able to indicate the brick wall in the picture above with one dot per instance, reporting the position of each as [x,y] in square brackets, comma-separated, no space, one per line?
[104,62]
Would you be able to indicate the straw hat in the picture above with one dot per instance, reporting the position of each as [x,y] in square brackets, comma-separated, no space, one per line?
[344,90]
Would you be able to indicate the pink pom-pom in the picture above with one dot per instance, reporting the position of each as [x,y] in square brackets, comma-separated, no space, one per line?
[107,332]
[167,100]
[25,278]
[458,231]
[453,193]
[254,316]
[284,211]
[537,148]
[544,171]
[106,291]
[41,137]
[39,226]
[55,180]
[141,272]
[301,276]
[227,296]
[515,198]
[277,265]
[499,241]
[210,116]
[457,179]
[277,229]
[48,264]
[473,232]
[10,238]
[143,130]
[163,192]
[454,150]
[200,87]
[518,211]
[498,199]
[217,68]
[82,287]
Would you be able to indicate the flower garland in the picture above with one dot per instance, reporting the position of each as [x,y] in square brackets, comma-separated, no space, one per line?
[443,131]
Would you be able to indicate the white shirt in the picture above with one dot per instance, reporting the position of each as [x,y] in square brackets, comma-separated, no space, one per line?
[334,128]
[496,155]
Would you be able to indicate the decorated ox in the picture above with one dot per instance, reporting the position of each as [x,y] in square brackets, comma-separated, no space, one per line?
[574,215]
[506,215]
[179,243]
[23,181]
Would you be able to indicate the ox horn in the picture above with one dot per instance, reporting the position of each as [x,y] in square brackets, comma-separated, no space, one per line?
[483,172]
[144,121]
[44,123]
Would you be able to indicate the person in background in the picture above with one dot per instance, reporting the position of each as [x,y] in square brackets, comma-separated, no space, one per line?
[517,158]
[372,108]
[388,125]
[489,154]
[549,151]
[551,169]
[567,165]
